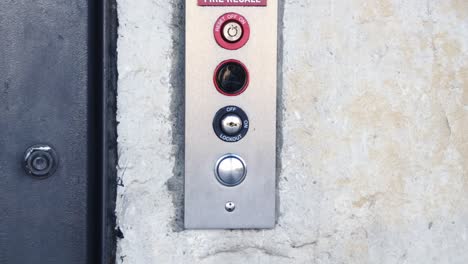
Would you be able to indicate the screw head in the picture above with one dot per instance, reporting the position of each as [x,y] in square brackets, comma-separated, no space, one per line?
[230,206]
[40,161]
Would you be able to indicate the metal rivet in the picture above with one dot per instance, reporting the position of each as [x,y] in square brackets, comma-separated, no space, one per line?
[40,161]
[230,206]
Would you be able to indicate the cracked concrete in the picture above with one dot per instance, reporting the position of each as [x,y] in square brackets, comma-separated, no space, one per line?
[233,252]
[373,136]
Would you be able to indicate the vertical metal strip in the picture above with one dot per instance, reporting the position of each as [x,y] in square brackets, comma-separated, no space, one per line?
[108,138]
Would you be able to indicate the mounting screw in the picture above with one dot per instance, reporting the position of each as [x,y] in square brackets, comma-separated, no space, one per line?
[230,206]
[40,161]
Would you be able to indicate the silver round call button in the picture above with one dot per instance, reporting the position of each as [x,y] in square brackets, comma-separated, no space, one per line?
[230,170]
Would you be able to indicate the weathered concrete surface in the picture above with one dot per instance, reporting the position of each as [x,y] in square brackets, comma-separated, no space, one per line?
[373,140]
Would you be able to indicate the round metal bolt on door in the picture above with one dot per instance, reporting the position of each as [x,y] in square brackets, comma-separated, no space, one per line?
[40,161]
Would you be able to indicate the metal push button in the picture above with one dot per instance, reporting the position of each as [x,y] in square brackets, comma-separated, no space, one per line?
[232,31]
[230,170]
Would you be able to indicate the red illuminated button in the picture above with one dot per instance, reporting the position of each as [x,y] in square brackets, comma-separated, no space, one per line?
[231,77]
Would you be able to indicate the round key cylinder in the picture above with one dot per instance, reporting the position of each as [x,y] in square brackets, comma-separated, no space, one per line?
[230,123]
[232,31]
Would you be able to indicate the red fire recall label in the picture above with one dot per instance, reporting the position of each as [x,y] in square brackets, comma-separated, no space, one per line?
[232,2]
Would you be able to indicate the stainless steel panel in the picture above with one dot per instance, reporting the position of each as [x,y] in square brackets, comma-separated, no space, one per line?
[205,198]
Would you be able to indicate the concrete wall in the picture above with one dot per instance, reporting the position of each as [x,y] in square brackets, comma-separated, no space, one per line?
[373,136]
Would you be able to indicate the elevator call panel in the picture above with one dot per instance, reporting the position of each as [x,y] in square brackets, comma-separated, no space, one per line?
[230,114]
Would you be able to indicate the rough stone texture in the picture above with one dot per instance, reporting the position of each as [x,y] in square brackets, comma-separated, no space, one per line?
[373,134]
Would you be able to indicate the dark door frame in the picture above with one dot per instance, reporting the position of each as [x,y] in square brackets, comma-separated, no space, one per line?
[106,35]
[58,78]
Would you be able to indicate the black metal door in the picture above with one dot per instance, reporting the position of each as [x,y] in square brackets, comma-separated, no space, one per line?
[50,94]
